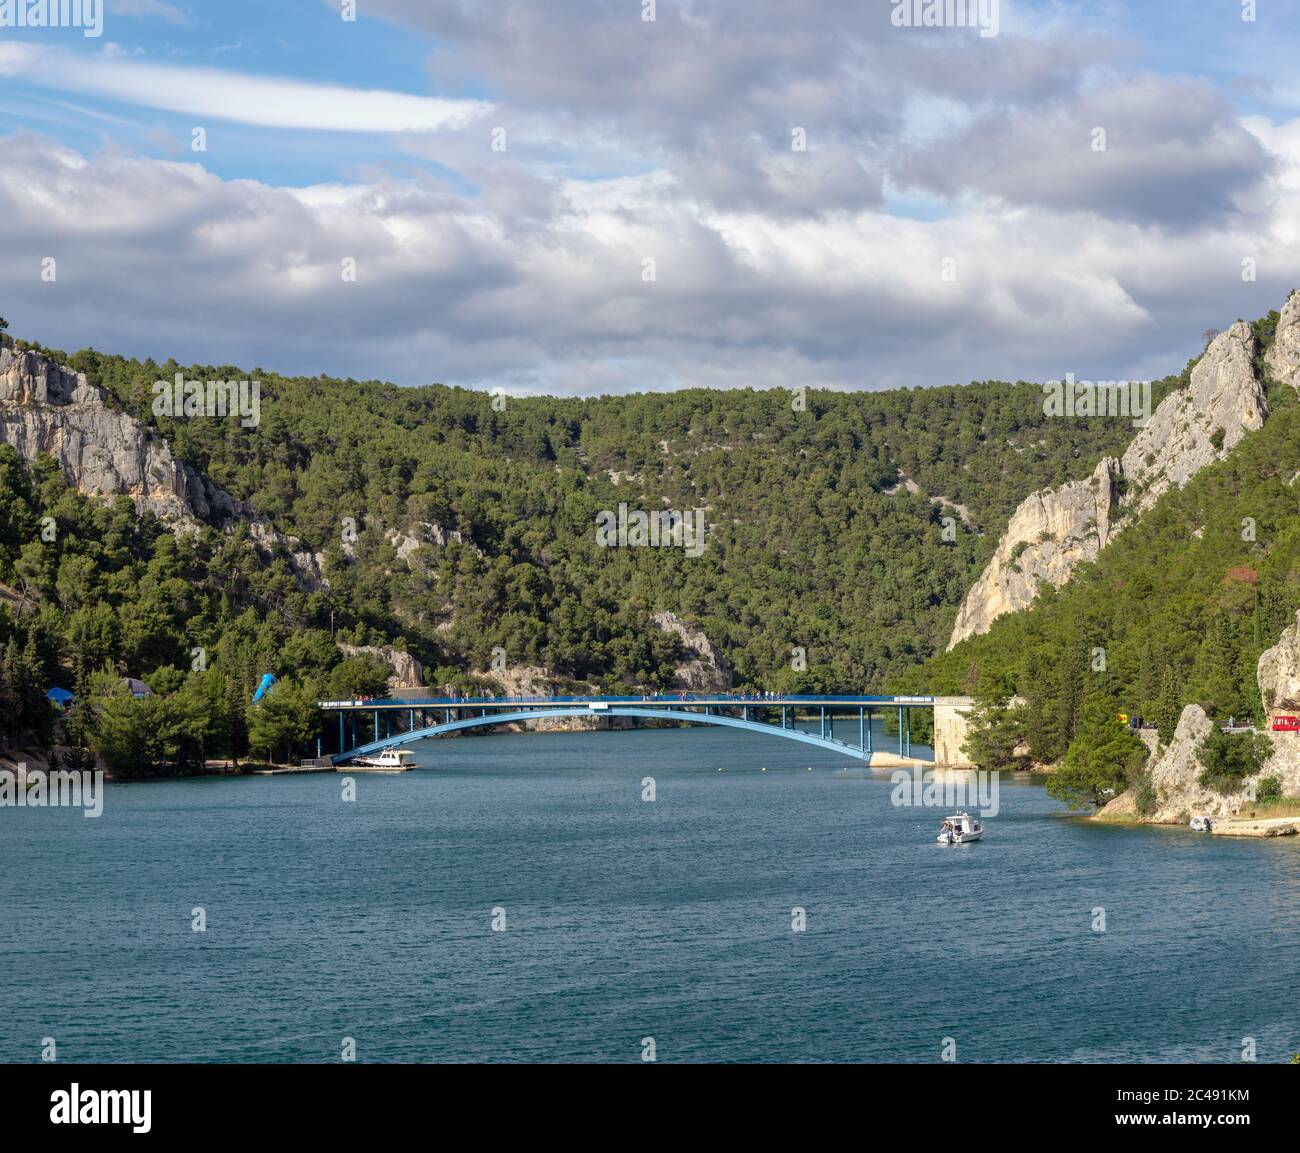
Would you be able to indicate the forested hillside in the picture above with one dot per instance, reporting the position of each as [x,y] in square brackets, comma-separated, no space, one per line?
[825,533]
[805,545]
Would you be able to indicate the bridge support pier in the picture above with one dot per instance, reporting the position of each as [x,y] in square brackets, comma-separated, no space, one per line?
[951,729]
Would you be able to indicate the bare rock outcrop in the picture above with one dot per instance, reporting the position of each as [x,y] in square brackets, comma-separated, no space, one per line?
[706,669]
[405,671]
[425,534]
[1175,774]
[1278,674]
[1049,535]
[1056,530]
[1283,358]
[1175,770]
[520,680]
[1199,424]
[48,409]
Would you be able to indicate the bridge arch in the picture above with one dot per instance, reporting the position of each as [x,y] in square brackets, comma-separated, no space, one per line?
[654,714]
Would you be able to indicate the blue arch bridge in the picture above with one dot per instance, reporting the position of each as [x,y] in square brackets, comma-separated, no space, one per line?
[839,723]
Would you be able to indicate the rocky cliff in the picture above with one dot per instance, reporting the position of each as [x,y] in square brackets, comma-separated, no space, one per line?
[705,669]
[1199,424]
[1056,530]
[1278,676]
[1175,770]
[47,409]
[1048,536]
[1283,359]
[404,670]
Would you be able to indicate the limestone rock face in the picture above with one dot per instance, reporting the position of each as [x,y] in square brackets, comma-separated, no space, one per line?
[1174,773]
[47,409]
[425,535]
[1283,359]
[706,670]
[521,680]
[1048,536]
[1056,530]
[1180,439]
[1278,674]
[406,672]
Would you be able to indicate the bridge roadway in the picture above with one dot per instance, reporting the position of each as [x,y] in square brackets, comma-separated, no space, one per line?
[775,715]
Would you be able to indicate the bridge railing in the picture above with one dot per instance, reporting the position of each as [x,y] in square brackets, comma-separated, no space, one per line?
[629,698]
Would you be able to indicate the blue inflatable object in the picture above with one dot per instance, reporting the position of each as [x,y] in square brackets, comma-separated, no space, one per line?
[267,681]
[60,697]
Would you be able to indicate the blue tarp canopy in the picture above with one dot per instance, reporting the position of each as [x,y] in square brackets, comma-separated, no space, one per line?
[59,696]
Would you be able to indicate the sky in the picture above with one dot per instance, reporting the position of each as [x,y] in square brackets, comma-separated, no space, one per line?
[572,197]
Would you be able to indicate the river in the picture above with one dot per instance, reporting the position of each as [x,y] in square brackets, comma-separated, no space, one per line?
[627,919]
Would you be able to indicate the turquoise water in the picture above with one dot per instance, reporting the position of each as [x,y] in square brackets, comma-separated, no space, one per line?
[629,919]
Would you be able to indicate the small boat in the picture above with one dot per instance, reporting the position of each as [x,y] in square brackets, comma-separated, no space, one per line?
[960,829]
[389,761]
[1201,823]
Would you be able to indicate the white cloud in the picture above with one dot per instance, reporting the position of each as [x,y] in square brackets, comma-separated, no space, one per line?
[159,258]
[261,101]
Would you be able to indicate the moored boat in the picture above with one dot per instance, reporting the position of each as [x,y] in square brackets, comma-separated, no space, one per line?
[388,761]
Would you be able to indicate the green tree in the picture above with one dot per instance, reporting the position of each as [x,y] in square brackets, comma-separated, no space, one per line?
[1102,760]
[130,734]
[1227,759]
[1169,705]
[235,716]
[364,675]
[285,719]
[997,729]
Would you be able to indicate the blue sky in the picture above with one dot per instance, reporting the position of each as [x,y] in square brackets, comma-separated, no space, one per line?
[629,141]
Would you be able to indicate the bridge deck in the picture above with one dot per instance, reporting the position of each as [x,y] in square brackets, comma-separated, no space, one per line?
[775,715]
[711,700]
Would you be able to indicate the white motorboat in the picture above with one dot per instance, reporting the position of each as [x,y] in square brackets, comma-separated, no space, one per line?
[960,829]
[1202,823]
[388,761]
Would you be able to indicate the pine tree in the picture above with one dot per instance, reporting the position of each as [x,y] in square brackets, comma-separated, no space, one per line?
[1169,705]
